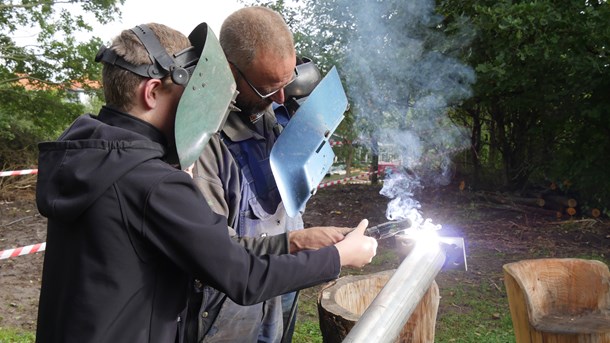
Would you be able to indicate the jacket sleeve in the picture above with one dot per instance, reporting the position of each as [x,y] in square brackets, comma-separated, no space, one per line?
[216,175]
[183,227]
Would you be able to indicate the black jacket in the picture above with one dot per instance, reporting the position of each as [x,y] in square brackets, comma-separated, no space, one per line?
[127,231]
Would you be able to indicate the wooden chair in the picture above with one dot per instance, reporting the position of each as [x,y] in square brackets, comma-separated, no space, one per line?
[559,300]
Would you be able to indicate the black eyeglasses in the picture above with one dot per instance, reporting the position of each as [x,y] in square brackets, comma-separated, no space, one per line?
[265,96]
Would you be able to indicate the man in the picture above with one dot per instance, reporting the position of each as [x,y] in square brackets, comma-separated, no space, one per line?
[260,49]
[127,231]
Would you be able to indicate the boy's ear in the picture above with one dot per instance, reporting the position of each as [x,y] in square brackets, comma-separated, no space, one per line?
[151,89]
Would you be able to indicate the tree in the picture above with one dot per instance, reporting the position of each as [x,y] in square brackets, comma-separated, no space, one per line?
[540,102]
[37,80]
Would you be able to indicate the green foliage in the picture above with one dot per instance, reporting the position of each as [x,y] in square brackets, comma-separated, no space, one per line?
[540,99]
[27,117]
[37,78]
[53,56]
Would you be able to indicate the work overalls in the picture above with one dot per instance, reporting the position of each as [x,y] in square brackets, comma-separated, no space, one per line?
[261,213]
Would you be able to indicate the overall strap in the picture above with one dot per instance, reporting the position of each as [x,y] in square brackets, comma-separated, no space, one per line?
[247,154]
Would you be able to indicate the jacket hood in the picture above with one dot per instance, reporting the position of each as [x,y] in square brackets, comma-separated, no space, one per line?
[88,158]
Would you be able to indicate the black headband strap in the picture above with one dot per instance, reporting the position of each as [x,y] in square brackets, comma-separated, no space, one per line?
[156,52]
[108,55]
[180,66]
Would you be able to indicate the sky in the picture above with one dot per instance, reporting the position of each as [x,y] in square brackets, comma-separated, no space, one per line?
[182,15]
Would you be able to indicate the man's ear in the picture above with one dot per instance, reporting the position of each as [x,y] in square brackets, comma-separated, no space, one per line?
[151,90]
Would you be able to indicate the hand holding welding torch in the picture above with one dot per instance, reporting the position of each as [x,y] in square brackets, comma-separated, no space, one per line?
[357,249]
[406,236]
[317,237]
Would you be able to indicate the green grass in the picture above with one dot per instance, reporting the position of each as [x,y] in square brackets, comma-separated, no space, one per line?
[599,256]
[15,336]
[307,327]
[472,312]
[307,331]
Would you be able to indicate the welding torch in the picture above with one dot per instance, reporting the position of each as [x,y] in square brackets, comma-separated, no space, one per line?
[454,247]
[388,229]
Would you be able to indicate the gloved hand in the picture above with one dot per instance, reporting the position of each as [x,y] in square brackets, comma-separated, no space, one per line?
[316,237]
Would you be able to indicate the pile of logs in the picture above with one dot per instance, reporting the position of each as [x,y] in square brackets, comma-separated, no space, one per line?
[561,205]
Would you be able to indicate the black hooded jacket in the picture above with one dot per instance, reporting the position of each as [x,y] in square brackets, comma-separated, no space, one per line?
[127,231]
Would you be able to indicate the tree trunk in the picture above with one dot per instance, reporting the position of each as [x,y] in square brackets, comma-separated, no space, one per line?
[342,302]
[475,142]
[349,159]
[374,161]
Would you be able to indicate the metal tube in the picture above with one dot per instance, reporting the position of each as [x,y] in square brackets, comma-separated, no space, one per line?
[389,312]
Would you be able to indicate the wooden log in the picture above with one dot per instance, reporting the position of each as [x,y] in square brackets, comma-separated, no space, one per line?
[595,213]
[342,302]
[559,202]
[506,199]
[559,300]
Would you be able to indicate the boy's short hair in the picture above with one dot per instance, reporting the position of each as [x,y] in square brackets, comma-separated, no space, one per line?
[120,85]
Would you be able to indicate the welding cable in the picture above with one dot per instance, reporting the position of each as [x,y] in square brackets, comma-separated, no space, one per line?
[293,310]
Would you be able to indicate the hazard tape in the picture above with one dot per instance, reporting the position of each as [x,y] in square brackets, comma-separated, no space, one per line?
[336,182]
[18,172]
[34,248]
[30,249]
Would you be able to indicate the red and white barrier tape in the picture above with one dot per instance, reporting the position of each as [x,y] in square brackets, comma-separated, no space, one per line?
[30,249]
[336,182]
[18,172]
[34,248]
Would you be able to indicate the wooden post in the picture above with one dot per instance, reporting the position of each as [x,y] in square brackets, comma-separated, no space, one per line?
[342,302]
[559,300]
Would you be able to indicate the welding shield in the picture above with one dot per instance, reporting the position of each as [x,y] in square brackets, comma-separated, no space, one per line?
[207,98]
[297,92]
[302,154]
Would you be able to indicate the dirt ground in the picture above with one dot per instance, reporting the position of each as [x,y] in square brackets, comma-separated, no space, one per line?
[507,232]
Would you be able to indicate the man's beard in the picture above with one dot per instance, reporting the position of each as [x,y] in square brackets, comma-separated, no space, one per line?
[252,107]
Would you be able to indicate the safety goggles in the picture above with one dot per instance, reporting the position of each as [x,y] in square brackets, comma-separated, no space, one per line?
[265,96]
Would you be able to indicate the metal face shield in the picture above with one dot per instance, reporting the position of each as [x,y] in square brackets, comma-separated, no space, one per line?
[302,154]
[207,98]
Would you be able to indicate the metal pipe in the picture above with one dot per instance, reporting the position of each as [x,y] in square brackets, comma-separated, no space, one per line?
[389,312]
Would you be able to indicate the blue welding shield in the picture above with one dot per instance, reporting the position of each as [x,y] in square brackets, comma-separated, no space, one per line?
[302,154]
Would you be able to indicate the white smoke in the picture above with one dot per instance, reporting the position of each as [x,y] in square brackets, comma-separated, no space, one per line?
[402,80]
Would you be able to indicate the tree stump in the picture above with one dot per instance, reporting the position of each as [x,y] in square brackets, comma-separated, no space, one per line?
[559,300]
[342,302]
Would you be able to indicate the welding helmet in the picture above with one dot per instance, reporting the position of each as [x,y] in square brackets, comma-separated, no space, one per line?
[308,77]
[208,97]
[302,154]
[209,92]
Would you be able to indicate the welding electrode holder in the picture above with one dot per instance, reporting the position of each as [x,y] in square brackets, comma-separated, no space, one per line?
[388,229]
[453,247]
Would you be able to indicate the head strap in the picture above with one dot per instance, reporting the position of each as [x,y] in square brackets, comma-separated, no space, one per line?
[180,66]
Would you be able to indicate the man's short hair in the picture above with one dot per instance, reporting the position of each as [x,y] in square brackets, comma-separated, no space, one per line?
[253,29]
[120,85]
